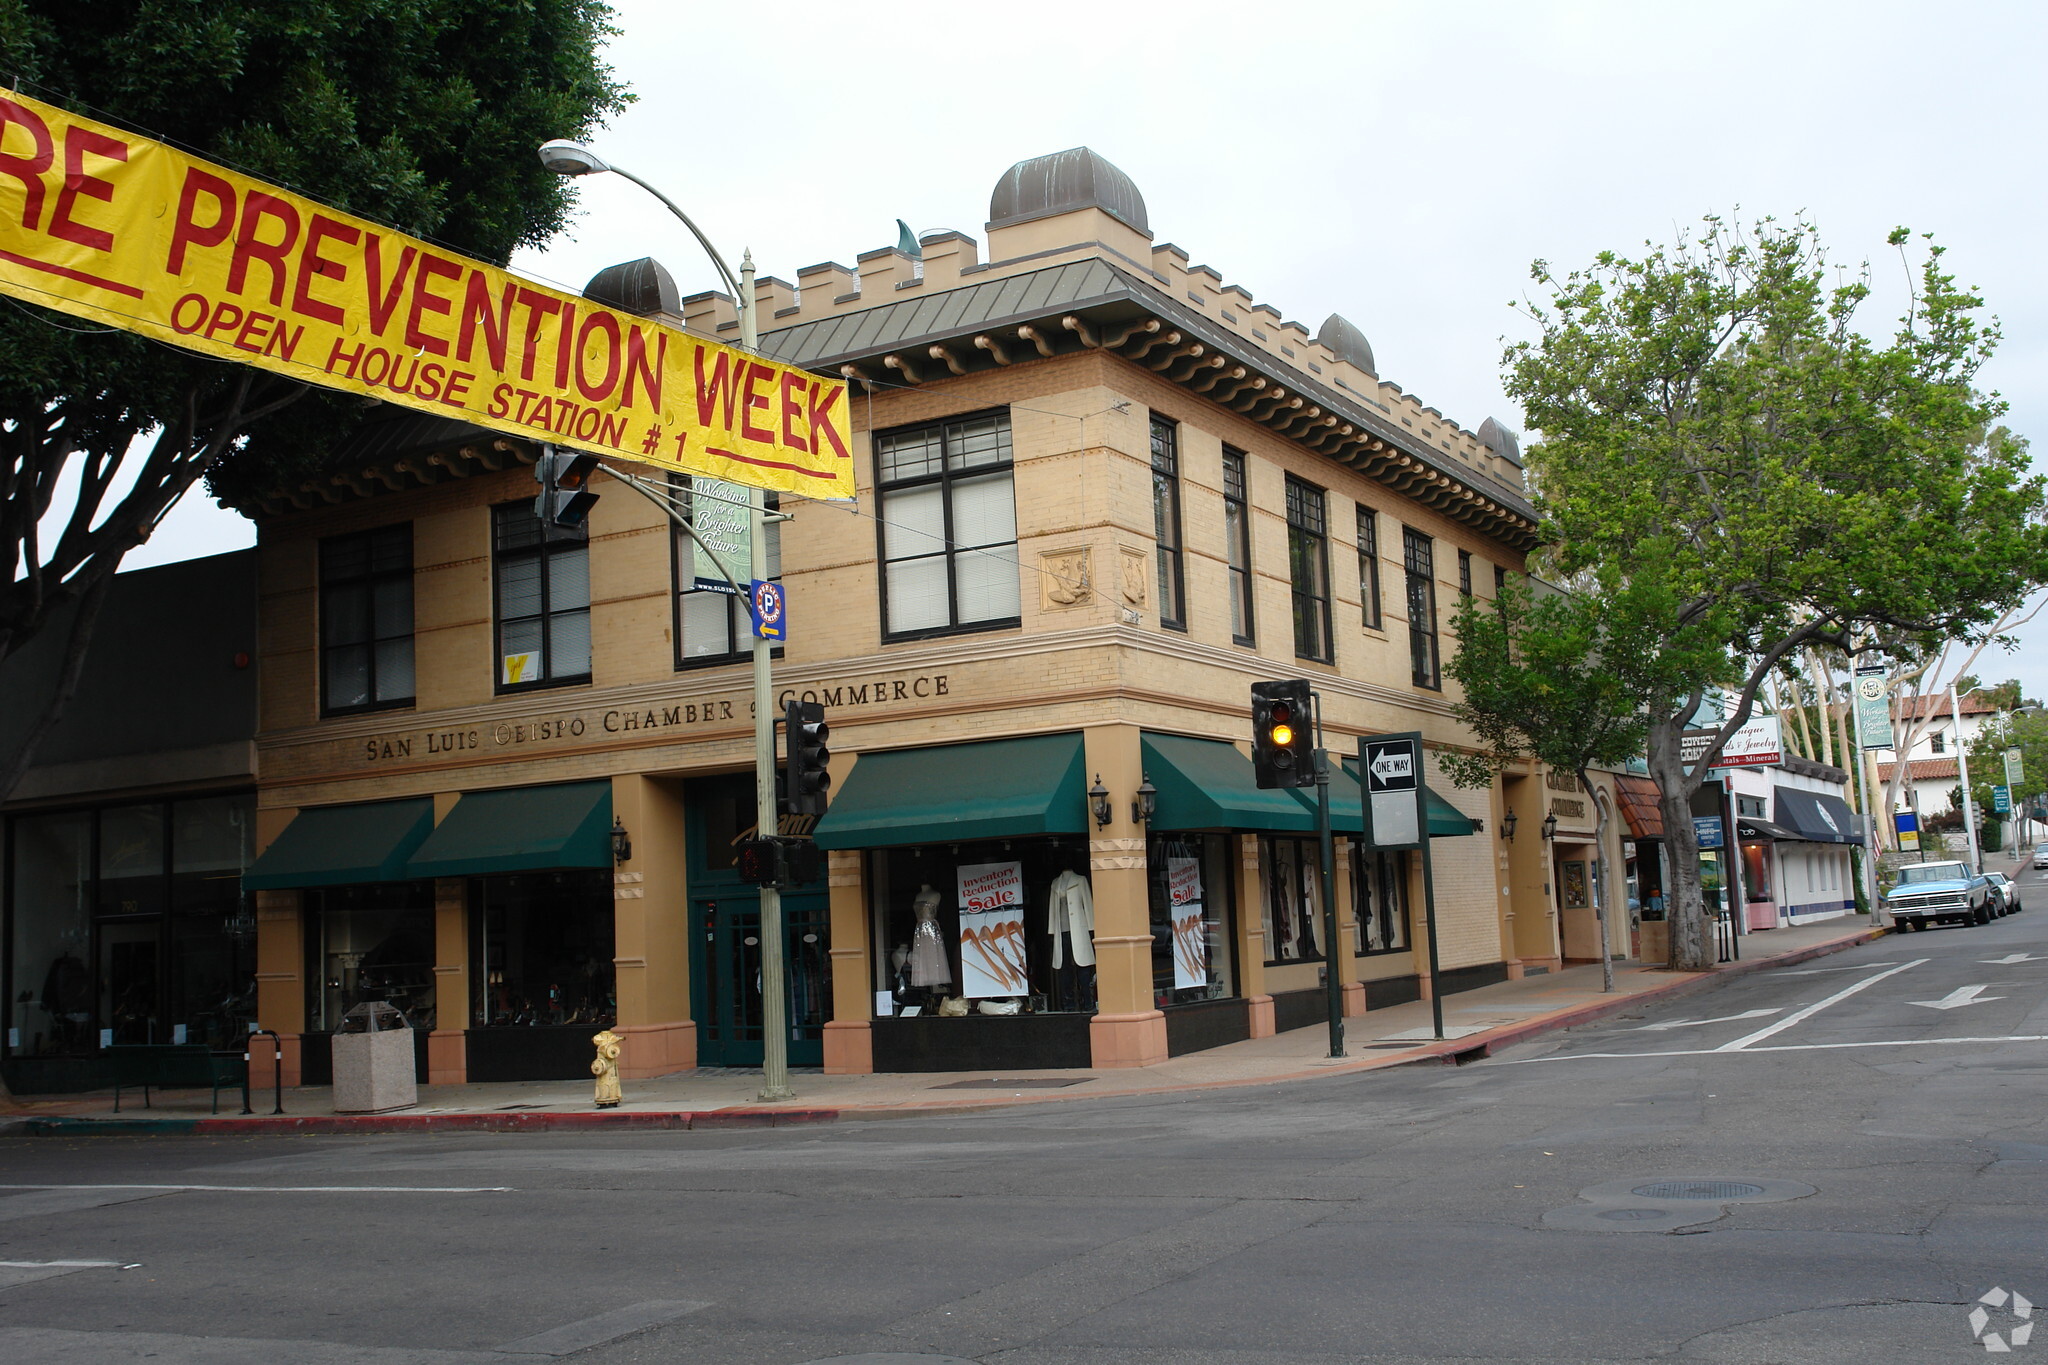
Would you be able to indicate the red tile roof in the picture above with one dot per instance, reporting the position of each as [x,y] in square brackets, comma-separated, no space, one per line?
[1921,769]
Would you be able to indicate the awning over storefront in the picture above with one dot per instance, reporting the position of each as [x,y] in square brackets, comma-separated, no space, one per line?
[1749,830]
[1347,816]
[1207,784]
[996,789]
[343,846]
[523,829]
[1639,806]
[1817,817]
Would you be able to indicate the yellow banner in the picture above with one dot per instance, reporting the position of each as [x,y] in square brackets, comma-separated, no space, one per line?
[126,231]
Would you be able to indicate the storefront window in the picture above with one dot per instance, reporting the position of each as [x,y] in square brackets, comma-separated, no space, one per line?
[52,983]
[542,949]
[999,927]
[370,943]
[131,860]
[1293,907]
[1379,899]
[1756,872]
[212,943]
[1189,883]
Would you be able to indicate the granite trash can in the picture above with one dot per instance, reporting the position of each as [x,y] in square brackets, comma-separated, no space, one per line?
[373,1061]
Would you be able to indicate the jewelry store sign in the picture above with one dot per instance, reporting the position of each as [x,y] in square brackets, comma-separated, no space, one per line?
[659,721]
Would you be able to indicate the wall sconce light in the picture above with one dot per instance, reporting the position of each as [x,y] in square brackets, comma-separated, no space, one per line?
[1507,824]
[1098,802]
[1144,802]
[1550,825]
[622,846]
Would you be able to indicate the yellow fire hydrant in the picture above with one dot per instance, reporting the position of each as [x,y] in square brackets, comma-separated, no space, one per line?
[606,1068]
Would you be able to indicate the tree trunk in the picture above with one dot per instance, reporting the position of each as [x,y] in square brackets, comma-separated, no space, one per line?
[1685,904]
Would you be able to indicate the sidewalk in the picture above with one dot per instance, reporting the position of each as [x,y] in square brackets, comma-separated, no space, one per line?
[1476,1024]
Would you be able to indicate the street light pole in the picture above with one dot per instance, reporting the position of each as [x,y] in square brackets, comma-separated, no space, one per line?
[571,158]
[1955,710]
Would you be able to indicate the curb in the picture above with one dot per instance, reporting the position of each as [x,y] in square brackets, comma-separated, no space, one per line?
[1450,1052]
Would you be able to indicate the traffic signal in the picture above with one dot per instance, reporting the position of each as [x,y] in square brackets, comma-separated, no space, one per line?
[564,477]
[759,861]
[806,789]
[782,861]
[1283,738]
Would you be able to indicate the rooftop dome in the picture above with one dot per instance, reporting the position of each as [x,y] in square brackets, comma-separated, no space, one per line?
[1077,178]
[1347,343]
[1501,440]
[642,287]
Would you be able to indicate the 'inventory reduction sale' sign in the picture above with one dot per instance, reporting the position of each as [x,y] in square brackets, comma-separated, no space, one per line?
[126,231]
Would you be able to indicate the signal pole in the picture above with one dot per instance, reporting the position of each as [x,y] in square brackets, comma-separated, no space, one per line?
[1326,846]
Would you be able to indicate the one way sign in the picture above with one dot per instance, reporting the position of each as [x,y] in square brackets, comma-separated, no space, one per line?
[1393,789]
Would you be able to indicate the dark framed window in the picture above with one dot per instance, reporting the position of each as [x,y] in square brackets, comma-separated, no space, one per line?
[947,507]
[1464,573]
[1191,883]
[366,620]
[1237,535]
[1166,522]
[543,600]
[1418,554]
[1500,580]
[1379,899]
[1369,565]
[713,627]
[1308,565]
[1293,901]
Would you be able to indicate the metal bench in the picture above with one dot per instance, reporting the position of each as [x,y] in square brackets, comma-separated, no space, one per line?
[174,1066]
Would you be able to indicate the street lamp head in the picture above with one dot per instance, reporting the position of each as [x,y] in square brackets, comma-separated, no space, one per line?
[564,157]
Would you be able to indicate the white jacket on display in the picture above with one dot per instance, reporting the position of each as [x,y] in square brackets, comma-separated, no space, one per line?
[1071,911]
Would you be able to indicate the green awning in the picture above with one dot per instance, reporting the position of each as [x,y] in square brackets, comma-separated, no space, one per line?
[996,789]
[1207,784]
[1347,816]
[343,846]
[524,829]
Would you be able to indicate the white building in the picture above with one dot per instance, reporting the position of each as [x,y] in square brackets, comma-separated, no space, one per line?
[1935,773]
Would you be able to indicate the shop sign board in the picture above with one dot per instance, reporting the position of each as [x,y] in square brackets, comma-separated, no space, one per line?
[1907,824]
[2001,800]
[1873,708]
[1392,765]
[1706,831]
[1190,940]
[992,930]
[125,231]
[1756,745]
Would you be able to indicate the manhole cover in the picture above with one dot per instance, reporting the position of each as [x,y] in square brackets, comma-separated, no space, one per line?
[1697,1189]
[1632,1215]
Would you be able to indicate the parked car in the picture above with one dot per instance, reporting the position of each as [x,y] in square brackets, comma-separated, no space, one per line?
[2041,856]
[1939,893]
[2006,890]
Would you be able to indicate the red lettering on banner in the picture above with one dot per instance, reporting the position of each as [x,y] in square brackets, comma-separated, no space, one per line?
[242,341]
[425,300]
[636,364]
[476,308]
[756,372]
[27,169]
[537,307]
[501,400]
[456,391]
[609,325]
[248,246]
[77,142]
[188,230]
[226,317]
[564,344]
[794,384]
[384,302]
[821,417]
[720,391]
[284,341]
[351,359]
[311,263]
[178,323]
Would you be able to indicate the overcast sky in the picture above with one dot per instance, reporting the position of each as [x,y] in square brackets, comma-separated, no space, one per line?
[1401,164]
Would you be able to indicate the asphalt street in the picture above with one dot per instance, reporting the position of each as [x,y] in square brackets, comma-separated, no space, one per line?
[1830,1162]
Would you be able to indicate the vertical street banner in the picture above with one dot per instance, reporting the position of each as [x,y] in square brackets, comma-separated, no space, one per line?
[1190,939]
[124,231]
[718,514]
[991,897]
[1873,709]
[1392,768]
[2015,769]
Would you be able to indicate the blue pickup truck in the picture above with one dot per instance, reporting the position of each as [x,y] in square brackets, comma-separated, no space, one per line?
[1938,893]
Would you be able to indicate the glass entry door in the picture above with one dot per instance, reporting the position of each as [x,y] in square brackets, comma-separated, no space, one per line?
[726,964]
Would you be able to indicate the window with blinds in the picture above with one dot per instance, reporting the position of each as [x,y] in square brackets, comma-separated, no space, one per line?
[542,577]
[947,511]
[714,627]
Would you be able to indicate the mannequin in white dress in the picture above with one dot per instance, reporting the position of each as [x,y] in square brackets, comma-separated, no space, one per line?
[928,964]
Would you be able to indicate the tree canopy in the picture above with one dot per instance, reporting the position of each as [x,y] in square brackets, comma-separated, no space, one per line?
[1719,438]
[420,114]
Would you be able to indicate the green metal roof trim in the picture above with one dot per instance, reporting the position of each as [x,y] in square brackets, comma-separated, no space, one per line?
[344,846]
[1208,784]
[523,829]
[1347,815]
[996,789]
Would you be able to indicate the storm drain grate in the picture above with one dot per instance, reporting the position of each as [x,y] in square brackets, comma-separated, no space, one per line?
[1697,1189]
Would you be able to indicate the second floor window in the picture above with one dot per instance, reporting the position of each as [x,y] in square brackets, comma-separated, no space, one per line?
[1237,536]
[1418,553]
[713,627]
[1166,522]
[948,511]
[543,593]
[1308,564]
[1464,573]
[1369,565]
[366,620]
[1938,742]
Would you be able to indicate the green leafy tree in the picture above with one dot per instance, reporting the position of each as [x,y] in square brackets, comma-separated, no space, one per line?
[1564,678]
[420,114]
[2027,732]
[1718,434]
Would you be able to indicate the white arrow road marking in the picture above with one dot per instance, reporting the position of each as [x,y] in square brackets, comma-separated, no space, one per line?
[1957,998]
[1816,971]
[69,1265]
[288,1189]
[1724,1019]
[2011,958]
[1789,1020]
